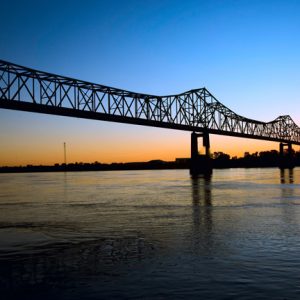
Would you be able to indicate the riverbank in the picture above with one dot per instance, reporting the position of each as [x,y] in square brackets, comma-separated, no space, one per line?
[150,165]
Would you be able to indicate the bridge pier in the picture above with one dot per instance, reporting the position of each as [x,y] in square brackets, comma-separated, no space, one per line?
[286,158]
[200,164]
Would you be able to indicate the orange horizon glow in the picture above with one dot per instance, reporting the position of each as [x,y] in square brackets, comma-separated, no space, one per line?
[165,147]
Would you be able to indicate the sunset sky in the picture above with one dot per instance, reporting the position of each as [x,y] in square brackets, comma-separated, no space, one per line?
[246,53]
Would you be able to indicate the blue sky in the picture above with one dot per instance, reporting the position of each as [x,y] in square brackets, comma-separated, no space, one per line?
[246,53]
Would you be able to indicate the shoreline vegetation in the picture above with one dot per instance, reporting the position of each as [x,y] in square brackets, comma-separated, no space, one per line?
[219,160]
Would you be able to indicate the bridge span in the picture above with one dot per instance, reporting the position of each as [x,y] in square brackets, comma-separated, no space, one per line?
[197,110]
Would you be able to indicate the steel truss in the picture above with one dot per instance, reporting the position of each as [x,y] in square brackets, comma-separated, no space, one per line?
[197,110]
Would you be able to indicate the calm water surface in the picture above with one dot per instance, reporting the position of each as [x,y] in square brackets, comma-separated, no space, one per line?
[151,235]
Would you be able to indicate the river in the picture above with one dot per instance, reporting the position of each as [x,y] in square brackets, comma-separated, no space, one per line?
[155,234]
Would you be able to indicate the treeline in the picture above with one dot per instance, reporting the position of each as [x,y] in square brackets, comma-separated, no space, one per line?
[218,159]
[257,159]
[96,166]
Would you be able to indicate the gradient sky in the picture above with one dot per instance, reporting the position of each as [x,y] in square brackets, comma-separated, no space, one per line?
[246,53]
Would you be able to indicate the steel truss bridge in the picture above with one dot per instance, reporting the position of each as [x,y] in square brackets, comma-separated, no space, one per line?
[197,110]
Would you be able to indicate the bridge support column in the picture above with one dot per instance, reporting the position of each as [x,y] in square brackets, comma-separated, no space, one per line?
[200,164]
[286,159]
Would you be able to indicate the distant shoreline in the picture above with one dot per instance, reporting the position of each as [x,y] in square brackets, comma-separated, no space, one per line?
[77,167]
[151,165]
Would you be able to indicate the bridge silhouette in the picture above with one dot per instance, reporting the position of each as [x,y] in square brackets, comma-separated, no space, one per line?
[197,110]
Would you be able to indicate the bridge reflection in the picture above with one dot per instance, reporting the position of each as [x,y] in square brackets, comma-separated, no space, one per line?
[287,191]
[287,176]
[202,212]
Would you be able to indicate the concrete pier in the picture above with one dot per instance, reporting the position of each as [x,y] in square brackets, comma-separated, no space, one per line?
[200,164]
[286,159]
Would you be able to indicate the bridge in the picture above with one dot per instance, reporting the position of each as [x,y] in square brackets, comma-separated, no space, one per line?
[197,110]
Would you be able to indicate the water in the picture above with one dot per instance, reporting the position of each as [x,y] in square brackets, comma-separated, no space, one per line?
[150,234]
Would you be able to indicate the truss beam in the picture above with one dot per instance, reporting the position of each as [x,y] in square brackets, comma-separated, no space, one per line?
[197,110]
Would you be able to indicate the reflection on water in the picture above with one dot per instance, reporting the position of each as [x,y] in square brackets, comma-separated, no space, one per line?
[150,234]
[287,175]
[202,215]
[286,178]
[201,187]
